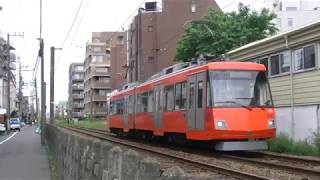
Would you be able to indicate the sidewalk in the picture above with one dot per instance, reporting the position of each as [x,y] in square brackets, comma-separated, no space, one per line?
[23,158]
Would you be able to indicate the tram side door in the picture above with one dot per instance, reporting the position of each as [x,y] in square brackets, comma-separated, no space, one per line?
[196,101]
[158,106]
[126,111]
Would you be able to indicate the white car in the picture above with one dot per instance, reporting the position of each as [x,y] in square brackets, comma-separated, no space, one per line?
[15,124]
[2,128]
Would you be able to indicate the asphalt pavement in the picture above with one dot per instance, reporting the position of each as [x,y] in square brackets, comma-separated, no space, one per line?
[22,157]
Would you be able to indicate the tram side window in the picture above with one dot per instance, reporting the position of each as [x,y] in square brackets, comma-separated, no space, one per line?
[150,101]
[177,97]
[191,96]
[138,103]
[169,100]
[120,104]
[144,102]
[130,105]
[200,94]
[113,108]
[180,96]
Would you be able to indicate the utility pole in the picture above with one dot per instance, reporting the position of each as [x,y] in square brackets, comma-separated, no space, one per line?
[20,89]
[52,85]
[8,84]
[52,49]
[43,92]
[37,106]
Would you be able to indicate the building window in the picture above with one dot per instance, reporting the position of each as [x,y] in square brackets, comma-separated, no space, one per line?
[291,8]
[285,61]
[304,58]
[79,68]
[275,65]
[290,22]
[97,49]
[193,6]
[102,92]
[150,59]
[264,61]
[150,28]
[102,69]
[97,59]
[280,63]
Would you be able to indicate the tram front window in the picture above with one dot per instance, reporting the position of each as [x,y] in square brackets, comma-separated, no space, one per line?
[232,88]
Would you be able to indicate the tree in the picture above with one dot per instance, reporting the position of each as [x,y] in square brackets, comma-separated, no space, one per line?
[219,32]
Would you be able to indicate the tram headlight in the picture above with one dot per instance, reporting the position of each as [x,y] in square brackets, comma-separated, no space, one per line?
[220,124]
[271,123]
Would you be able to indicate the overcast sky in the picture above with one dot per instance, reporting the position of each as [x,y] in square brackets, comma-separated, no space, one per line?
[58,15]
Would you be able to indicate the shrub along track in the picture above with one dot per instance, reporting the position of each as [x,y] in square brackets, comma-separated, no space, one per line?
[243,165]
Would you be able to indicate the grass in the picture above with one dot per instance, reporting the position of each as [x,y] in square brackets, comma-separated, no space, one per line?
[283,144]
[86,123]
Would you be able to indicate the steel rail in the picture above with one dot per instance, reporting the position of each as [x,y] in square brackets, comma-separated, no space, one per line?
[259,162]
[209,167]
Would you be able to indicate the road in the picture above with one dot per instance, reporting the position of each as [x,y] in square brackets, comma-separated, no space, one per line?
[22,157]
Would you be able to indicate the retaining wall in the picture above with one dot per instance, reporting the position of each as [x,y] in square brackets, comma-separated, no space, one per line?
[80,157]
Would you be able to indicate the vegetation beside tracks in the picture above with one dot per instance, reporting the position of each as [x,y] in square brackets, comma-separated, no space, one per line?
[85,123]
[283,144]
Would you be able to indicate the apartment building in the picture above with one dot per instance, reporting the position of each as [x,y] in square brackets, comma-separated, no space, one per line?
[154,32]
[292,60]
[97,67]
[294,13]
[76,88]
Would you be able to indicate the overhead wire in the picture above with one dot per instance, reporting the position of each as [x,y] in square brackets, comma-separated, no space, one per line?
[71,27]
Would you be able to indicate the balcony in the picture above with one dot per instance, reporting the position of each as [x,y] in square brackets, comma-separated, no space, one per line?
[103,85]
[77,78]
[77,114]
[99,98]
[100,111]
[100,73]
[77,96]
[77,87]
[78,105]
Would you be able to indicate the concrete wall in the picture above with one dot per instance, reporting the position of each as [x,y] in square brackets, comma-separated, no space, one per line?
[304,124]
[83,158]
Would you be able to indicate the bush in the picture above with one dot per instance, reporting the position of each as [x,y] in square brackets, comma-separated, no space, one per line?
[283,144]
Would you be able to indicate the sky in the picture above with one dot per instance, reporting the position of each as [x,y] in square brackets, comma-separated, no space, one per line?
[58,17]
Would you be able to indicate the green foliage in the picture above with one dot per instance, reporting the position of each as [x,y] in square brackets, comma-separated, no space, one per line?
[14,114]
[219,32]
[283,144]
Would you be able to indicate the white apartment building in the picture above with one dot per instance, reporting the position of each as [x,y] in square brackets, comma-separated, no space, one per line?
[294,13]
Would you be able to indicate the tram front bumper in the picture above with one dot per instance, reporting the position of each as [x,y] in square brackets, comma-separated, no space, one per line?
[241,145]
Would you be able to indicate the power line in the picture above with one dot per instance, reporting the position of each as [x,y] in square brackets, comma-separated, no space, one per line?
[80,22]
[74,20]
[133,13]
[229,4]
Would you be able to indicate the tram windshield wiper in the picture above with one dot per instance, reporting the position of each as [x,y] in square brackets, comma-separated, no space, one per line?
[237,103]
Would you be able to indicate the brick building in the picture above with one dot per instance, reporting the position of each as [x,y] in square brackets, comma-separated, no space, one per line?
[154,32]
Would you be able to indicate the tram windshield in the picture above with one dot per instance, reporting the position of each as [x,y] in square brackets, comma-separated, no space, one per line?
[239,89]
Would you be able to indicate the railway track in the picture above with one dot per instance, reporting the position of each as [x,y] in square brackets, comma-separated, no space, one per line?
[198,164]
[307,168]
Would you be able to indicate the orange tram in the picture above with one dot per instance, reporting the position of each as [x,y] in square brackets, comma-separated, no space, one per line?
[227,103]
